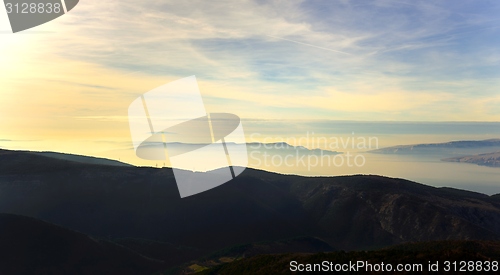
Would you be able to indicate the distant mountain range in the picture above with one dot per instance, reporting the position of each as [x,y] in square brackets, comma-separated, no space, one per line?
[488,159]
[440,148]
[480,152]
[284,146]
[252,145]
[273,147]
[139,209]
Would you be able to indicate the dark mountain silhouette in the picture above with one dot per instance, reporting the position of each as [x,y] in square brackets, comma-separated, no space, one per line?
[82,159]
[23,158]
[140,208]
[30,246]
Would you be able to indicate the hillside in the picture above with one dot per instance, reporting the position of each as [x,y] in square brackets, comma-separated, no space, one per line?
[416,255]
[140,208]
[30,246]
[75,158]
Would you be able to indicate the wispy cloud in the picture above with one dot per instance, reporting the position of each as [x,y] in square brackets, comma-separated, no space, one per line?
[278,59]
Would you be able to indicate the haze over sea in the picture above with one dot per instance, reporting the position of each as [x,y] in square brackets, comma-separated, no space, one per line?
[423,168]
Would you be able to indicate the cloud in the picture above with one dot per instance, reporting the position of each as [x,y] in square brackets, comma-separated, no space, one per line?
[267,58]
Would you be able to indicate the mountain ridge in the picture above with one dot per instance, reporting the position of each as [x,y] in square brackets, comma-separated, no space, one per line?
[431,147]
[346,212]
[486,159]
[70,157]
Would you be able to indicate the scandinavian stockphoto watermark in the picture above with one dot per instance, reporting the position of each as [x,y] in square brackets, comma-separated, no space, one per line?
[171,122]
[310,151]
[26,14]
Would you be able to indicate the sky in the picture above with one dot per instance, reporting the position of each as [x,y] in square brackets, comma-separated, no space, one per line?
[66,85]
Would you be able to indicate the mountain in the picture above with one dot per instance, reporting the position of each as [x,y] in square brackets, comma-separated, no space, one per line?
[75,158]
[274,147]
[140,208]
[416,256]
[82,159]
[293,245]
[488,159]
[283,146]
[447,148]
[30,246]
[263,156]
